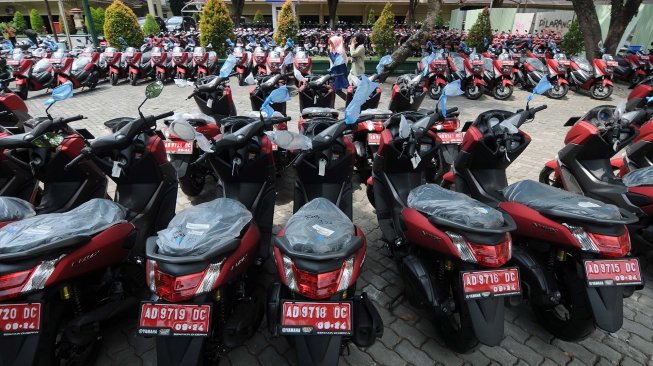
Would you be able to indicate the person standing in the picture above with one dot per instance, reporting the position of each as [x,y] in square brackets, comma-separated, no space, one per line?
[338,63]
[11,34]
[357,52]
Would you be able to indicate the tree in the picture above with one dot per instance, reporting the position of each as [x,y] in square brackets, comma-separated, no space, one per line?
[35,21]
[97,14]
[258,18]
[286,24]
[572,42]
[383,34]
[216,26]
[415,42]
[371,17]
[621,13]
[120,21]
[481,31]
[151,26]
[176,6]
[410,16]
[407,19]
[19,22]
[439,19]
[333,7]
[237,7]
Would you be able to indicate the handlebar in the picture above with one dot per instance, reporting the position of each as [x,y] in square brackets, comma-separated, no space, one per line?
[83,154]
[299,158]
[163,115]
[72,119]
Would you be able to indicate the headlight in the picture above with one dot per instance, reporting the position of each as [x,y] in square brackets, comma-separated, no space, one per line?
[607,70]
[477,69]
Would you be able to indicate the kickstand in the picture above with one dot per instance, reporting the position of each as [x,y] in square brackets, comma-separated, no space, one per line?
[396,301]
[387,248]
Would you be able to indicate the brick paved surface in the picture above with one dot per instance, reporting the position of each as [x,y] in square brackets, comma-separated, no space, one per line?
[409,337]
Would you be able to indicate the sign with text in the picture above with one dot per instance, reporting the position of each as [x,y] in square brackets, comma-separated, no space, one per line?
[553,21]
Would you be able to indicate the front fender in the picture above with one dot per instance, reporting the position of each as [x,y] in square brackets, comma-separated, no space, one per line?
[562,81]
[607,82]
[506,82]
[478,81]
[487,318]
[553,164]
[440,81]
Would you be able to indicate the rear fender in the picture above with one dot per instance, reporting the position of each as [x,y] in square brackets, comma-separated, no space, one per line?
[487,318]
[179,350]
[540,286]
[606,303]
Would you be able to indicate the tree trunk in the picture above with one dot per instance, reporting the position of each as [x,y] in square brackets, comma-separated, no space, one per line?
[589,24]
[416,41]
[496,3]
[333,6]
[620,16]
[412,8]
[237,8]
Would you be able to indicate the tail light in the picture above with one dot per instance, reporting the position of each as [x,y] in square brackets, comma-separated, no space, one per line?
[608,245]
[14,284]
[450,125]
[484,255]
[374,126]
[178,59]
[182,288]
[317,285]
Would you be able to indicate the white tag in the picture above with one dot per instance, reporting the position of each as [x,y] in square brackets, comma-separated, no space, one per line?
[209,103]
[191,226]
[588,205]
[322,230]
[415,160]
[482,210]
[322,167]
[39,230]
[115,172]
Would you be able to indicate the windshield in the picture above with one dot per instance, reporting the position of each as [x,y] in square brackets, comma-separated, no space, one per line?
[174,20]
[110,50]
[17,55]
[608,57]
[57,55]
[560,56]
[177,49]
[130,50]
[536,63]
[505,57]
[301,54]
[198,50]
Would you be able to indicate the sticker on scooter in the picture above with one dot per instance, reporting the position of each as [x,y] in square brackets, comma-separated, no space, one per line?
[322,230]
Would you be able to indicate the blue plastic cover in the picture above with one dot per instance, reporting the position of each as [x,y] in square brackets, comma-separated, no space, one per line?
[230,43]
[427,61]
[279,95]
[385,60]
[337,62]
[63,91]
[541,87]
[228,66]
[290,44]
[450,90]
[363,91]
[288,59]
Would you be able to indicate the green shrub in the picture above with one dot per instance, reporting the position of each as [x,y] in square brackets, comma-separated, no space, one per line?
[371,17]
[151,26]
[35,20]
[439,19]
[383,34]
[98,19]
[120,21]
[19,22]
[216,26]
[258,17]
[286,24]
[572,42]
[480,30]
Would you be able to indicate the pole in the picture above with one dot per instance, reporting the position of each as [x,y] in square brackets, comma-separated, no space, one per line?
[62,19]
[89,20]
[47,8]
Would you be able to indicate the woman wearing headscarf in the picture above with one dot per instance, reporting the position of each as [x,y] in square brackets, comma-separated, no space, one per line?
[357,52]
[338,63]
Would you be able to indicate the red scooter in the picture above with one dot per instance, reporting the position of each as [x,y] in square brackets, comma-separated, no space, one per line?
[642,90]
[139,64]
[498,76]
[558,67]
[205,62]
[162,64]
[183,64]
[260,57]
[31,74]
[13,110]
[117,67]
[595,77]
[408,93]
[469,70]
[243,63]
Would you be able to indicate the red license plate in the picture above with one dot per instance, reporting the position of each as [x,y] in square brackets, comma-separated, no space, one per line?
[129,54]
[316,318]
[477,62]
[174,319]
[440,62]
[491,283]
[55,60]
[451,137]
[275,60]
[178,147]
[20,319]
[156,54]
[12,62]
[373,138]
[177,54]
[613,272]
[302,60]
[564,62]
[508,63]
[612,63]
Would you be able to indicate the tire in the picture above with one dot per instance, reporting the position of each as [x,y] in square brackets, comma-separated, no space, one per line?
[113,79]
[635,79]
[22,92]
[474,92]
[558,91]
[599,92]
[547,177]
[456,329]
[241,79]
[181,76]
[160,77]
[578,323]
[501,92]
[193,182]
[133,79]
[435,90]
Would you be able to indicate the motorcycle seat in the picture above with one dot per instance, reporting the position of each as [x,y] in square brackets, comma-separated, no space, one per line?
[319,112]
[453,209]
[45,232]
[639,177]
[212,227]
[319,230]
[551,201]
[12,209]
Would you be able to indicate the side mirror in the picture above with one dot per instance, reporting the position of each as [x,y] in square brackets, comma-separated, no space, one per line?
[154,89]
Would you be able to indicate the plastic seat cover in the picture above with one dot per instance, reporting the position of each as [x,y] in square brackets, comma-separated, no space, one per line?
[639,177]
[89,218]
[319,227]
[542,197]
[12,208]
[376,112]
[206,226]
[441,203]
[319,111]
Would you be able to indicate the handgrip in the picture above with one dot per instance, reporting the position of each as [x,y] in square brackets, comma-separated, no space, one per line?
[164,115]
[77,159]
[200,159]
[72,119]
[298,160]
[537,109]
[452,110]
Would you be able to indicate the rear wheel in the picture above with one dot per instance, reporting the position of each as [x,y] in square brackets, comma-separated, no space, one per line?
[456,329]
[548,176]
[241,79]
[558,91]
[370,194]
[635,79]
[474,92]
[193,182]
[502,92]
[600,92]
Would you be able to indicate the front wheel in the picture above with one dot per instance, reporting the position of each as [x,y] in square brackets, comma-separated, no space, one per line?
[370,194]
[474,92]
[22,91]
[241,79]
[113,79]
[572,319]
[133,79]
[456,328]
[600,92]
[635,79]
[558,91]
[548,176]
[435,90]
[502,92]
[193,182]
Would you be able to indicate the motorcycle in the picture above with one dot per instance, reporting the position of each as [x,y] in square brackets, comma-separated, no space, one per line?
[438,74]
[139,65]
[498,76]
[74,271]
[303,61]
[115,60]
[408,93]
[642,90]
[183,65]
[315,91]
[264,86]
[82,71]
[596,77]
[162,63]
[469,70]
[31,75]
[204,62]
[13,110]
[632,68]
[319,252]
[558,68]
[260,57]
[243,64]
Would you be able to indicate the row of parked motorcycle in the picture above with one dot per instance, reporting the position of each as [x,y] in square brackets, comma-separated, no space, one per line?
[71,259]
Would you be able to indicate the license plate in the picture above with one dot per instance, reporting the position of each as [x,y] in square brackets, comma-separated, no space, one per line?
[302,61]
[613,272]
[373,138]
[174,319]
[477,62]
[178,147]
[451,137]
[156,54]
[108,54]
[20,319]
[128,54]
[564,62]
[275,60]
[440,62]
[177,54]
[508,63]
[316,318]
[12,62]
[612,63]
[491,283]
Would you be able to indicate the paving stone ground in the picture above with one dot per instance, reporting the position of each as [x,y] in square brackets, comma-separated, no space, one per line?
[409,337]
